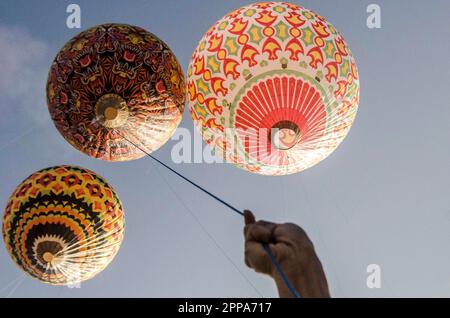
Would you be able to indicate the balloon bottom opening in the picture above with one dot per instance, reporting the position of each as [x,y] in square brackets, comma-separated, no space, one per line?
[284,135]
[48,257]
[111,111]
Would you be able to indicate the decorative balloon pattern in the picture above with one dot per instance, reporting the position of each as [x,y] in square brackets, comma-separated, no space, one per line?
[273,88]
[115,82]
[63,225]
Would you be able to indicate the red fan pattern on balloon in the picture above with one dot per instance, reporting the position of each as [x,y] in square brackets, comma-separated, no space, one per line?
[273,88]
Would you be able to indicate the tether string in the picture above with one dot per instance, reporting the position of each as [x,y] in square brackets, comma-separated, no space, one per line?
[286,281]
[266,247]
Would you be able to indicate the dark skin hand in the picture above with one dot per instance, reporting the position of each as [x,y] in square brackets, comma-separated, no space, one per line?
[292,249]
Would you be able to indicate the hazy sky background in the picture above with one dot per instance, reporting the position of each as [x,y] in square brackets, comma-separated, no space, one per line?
[382,197]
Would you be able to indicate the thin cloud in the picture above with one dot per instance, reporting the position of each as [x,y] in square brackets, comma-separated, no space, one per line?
[24,63]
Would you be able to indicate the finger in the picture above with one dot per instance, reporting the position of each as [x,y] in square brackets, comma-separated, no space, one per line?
[258,233]
[292,228]
[249,218]
[269,225]
[257,258]
[279,250]
[289,233]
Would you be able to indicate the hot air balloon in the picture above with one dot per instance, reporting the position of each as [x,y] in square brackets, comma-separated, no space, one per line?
[273,88]
[63,225]
[115,83]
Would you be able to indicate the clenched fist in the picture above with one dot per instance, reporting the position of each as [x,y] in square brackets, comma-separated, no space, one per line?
[292,249]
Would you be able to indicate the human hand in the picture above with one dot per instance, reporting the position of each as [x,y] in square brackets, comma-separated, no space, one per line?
[292,249]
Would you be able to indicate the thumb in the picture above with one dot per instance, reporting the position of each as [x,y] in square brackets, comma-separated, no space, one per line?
[249,218]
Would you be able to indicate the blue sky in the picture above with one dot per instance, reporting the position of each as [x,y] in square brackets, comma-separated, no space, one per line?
[382,197]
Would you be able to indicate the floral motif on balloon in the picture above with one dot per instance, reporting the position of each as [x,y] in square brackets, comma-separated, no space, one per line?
[273,88]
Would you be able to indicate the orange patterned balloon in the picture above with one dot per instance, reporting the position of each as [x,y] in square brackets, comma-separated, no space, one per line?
[63,225]
[115,85]
[273,87]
